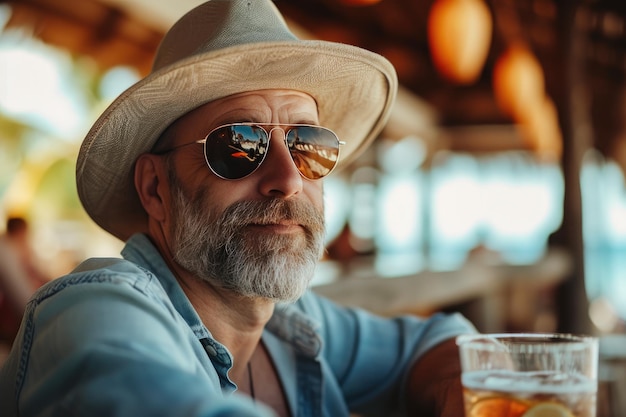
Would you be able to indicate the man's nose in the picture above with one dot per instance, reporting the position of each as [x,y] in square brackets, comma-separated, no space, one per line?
[279,176]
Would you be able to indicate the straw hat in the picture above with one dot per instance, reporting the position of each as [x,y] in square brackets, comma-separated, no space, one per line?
[220,48]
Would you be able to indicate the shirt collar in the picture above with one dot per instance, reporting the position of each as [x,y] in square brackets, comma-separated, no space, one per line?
[288,322]
[140,250]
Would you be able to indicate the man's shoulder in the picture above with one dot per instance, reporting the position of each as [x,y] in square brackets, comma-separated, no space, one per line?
[103,271]
[94,265]
[107,270]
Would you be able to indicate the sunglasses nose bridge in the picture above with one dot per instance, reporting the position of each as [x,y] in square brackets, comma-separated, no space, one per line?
[269,133]
[285,132]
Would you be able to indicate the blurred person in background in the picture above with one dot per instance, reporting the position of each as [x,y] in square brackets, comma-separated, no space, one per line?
[20,276]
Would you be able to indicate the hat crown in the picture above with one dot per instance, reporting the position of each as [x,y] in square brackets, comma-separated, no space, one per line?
[220,24]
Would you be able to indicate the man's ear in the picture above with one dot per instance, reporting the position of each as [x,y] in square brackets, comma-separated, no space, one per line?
[151,183]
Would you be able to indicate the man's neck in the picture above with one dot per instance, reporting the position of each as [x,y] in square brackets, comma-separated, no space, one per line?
[235,321]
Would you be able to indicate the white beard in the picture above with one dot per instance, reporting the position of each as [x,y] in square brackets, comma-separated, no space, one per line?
[225,252]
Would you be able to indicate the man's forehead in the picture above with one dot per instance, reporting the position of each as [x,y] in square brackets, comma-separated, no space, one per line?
[256,100]
[248,106]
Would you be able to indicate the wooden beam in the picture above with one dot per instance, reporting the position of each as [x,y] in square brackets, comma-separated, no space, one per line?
[573,108]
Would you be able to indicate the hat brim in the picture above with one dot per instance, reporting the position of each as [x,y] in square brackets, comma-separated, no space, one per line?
[354,90]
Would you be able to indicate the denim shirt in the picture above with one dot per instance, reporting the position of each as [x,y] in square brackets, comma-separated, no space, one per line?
[119,337]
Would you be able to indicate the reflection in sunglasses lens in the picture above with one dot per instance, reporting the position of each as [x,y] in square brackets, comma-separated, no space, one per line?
[235,151]
[314,150]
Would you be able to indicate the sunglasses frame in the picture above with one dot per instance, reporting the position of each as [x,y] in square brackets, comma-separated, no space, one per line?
[286,128]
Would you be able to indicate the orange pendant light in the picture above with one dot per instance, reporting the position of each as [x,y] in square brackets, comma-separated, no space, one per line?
[518,81]
[459,37]
[539,127]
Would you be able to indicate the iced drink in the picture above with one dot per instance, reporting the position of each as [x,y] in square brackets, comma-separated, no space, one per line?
[529,375]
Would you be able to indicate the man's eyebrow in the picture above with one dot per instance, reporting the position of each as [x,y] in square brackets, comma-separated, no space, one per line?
[240,116]
[253,121]
[235,119]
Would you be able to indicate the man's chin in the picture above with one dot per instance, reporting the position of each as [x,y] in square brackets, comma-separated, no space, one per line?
[277,229]
[267,240]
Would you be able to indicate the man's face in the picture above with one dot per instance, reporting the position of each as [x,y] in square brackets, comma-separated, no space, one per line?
[258,236]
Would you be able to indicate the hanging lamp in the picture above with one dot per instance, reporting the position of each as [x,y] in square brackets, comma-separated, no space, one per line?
[459,38]
[518,81]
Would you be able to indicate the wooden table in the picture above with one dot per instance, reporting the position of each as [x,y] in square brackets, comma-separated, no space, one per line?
[482,285]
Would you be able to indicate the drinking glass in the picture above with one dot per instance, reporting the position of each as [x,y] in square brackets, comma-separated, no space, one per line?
[529,375]
[612,376]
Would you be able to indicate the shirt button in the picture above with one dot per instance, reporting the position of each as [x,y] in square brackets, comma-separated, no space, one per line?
[211,350]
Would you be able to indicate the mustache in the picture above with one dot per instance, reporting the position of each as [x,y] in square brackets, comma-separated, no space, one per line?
[264,212]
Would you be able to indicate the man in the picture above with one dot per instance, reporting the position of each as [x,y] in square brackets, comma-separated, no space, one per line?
[210,169]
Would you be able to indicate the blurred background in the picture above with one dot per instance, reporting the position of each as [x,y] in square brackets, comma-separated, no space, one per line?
[496,189]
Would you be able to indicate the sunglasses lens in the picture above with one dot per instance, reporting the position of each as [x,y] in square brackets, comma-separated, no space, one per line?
[314,149]
[235,151]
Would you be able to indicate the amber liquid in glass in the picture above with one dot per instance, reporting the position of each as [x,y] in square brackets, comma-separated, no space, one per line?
[528,394]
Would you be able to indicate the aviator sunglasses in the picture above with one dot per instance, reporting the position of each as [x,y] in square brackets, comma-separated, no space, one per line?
[235,150]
